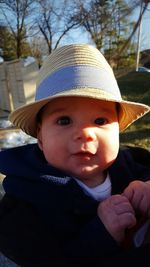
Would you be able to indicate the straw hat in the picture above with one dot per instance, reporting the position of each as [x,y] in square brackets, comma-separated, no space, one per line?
[80,71]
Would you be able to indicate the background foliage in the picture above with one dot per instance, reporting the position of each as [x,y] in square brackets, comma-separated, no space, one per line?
[36,27]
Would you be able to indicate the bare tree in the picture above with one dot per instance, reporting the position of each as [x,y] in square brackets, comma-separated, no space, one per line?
[93,16]
[54,21]
[15,14]
[108,23]
[102,19]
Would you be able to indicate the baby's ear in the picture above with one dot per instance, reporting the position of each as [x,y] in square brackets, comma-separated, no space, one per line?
[39,136]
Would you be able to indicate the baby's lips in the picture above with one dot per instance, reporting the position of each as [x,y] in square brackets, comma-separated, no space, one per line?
[91,149]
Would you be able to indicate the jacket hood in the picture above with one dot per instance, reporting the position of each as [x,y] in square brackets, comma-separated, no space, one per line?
[27,161]
[28,174]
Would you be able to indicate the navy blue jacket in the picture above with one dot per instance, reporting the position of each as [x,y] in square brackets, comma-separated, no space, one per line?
[47,220]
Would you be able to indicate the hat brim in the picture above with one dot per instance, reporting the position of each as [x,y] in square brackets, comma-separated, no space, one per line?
[25,117]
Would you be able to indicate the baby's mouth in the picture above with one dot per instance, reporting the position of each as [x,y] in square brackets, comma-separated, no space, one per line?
[86,151]
[85,154]
[89,151]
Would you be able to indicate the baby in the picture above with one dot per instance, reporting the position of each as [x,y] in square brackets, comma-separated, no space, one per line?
[75,197]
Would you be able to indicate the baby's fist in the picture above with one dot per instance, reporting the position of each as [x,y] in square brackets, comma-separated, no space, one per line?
[117,214]
[138,193]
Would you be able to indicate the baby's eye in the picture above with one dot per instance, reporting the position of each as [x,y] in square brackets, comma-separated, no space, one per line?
[101,121]
[65,120]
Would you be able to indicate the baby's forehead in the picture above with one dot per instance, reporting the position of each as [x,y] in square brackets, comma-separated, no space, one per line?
[74,104]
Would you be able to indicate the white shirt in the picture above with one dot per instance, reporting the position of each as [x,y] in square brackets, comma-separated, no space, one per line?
[99,192]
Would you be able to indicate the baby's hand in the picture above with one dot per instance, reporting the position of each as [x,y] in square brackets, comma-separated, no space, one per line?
[117,215]
[138,193]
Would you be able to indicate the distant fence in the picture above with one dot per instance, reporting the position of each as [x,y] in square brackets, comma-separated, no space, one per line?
[17,84]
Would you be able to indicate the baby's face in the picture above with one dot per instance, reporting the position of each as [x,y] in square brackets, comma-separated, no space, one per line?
[80,136]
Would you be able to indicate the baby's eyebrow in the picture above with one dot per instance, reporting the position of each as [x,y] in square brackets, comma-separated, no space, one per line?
[106,110]
[57,110]
[64,109]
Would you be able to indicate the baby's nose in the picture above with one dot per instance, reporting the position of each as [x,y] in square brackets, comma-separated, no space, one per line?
[87,134]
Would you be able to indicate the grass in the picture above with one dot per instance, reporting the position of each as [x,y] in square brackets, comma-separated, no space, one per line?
[135,87]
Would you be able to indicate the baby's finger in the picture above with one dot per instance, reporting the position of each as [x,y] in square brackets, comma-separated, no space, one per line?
[125,207]
[127,220]
[128,193]
[144,206]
